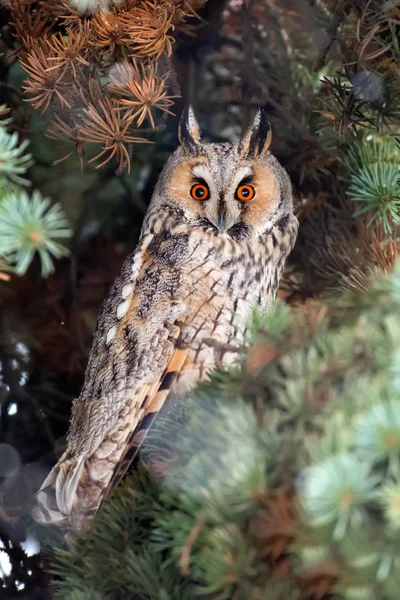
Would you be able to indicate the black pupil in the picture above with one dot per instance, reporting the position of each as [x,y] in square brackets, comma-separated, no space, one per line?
[200,192]
[245,192]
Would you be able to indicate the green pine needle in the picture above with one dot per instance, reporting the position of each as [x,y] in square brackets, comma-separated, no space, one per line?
[390,499]
[370,148]
[335,490]
[395,371]
[13,159]
[376,188]
[377,434]
[29,225]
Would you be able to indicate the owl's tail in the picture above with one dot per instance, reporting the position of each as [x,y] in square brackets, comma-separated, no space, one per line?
[72,493]
[55,498]
[74,489]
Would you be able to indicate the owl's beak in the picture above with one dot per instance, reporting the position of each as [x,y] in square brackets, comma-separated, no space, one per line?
[225,222]
[222,220]
[221,223]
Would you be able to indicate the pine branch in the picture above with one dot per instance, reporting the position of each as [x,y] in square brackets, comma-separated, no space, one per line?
[283,472]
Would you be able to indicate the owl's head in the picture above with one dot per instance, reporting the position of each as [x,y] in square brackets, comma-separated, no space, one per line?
[239,190]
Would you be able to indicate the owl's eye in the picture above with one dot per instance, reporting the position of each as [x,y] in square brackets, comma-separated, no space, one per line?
[200,191]
[245,192]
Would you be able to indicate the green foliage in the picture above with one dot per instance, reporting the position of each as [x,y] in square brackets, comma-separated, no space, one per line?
[27,224]
[371,148]
[13,159]
[30,224]
[377,188]
[318,421]
[373,163]
[140,571]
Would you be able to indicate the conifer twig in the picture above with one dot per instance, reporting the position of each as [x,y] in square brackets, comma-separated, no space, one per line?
[189,543]
[332,37]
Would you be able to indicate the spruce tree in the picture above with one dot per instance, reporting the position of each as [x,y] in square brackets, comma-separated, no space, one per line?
[278,479]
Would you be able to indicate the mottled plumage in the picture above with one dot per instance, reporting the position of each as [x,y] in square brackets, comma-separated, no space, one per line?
[206,257]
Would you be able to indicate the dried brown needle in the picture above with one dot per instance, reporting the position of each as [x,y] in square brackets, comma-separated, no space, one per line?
[188,9]
[102,124]
[66,14]
[29,25]
[109,33]
[148,28]
[70,48]
[45,83]
[142,91]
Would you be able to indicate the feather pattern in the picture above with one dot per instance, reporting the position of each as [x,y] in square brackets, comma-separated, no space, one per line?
[177,309]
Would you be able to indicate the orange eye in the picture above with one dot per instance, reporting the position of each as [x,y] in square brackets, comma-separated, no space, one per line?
[200,191]
[245,192]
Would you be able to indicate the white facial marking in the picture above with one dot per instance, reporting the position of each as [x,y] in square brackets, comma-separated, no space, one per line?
[111,334]
[203,172]
[123,309]
[241,174]
[127,290]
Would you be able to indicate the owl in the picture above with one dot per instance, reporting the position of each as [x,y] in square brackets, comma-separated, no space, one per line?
[212,248]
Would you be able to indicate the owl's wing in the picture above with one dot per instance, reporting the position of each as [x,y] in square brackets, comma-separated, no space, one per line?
[155,395]
[133,362]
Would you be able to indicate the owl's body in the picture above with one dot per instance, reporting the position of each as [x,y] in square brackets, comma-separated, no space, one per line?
[177,309]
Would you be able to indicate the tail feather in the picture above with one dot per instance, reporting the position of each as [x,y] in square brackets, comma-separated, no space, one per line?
[67,483]
[75,488]
[55,498]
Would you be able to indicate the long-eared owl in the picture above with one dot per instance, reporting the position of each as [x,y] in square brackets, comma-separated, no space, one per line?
[212,247]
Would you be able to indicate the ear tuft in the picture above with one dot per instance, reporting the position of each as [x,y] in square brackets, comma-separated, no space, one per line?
[257,138]
[189,131]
